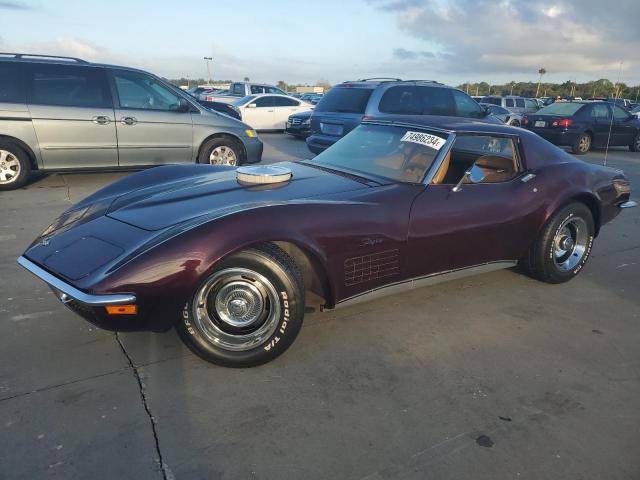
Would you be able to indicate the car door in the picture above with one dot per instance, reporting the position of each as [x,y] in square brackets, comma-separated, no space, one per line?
[283,108]
[624,129]
[483,224]
[72,114]
[151,129]
[259,114]
[600,119]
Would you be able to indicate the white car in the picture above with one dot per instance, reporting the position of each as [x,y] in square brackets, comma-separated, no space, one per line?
[269,111]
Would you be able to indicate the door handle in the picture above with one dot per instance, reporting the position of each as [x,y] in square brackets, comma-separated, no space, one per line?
[101,120]
[128,120]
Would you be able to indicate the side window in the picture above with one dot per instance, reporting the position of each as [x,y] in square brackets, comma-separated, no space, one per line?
[264,102]
[466,106]
[11,84]
[238,89]
[285,102]
[256,89]
[619,113]
[599,111]
[274,90]
[68,86]
[520,102]
[140,91]
[509,103]
[417,100]
[496,156]
[530,103]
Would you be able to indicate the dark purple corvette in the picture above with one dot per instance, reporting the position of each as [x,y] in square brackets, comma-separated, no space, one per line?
[227,256]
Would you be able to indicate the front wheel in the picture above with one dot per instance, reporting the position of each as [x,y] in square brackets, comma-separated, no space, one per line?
[15,167]
[248,311]
[221,151]
[563,247]
[582,144]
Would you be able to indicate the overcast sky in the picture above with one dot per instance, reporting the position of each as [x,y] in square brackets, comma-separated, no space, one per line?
[453,41]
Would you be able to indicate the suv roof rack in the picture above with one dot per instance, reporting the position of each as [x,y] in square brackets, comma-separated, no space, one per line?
[36,56]
[386,79]
[425,81]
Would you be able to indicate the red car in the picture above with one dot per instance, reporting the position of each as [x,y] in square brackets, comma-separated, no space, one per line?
[227,255]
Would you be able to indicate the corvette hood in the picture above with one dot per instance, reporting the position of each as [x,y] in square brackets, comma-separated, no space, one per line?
[173,201]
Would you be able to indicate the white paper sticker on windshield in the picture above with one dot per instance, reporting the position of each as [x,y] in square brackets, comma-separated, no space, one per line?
[425,139]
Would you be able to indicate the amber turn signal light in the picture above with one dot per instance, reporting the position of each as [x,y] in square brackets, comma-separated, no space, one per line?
[122,309]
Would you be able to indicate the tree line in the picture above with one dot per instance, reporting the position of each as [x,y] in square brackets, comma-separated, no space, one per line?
[601,88]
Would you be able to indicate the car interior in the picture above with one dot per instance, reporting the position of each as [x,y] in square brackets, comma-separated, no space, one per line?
[496,156]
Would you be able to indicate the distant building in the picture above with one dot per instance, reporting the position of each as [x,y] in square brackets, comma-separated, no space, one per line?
[309,89]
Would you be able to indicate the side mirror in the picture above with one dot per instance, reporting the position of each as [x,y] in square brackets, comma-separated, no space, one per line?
[183,106]
[252,105]
[475,175]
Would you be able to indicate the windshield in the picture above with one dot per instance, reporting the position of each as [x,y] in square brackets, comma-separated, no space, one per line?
[345,100]
[243,100]
[561,108]
[397,153]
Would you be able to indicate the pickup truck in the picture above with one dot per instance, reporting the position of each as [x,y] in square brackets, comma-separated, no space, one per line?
[242,89]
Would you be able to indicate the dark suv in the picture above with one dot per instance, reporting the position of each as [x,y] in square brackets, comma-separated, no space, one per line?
[344,106]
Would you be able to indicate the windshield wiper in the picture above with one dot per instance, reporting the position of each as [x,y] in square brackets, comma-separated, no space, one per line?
[344,173]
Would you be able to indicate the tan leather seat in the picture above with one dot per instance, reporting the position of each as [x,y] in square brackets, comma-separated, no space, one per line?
[438,178]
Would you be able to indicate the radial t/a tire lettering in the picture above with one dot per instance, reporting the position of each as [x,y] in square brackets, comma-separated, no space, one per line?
[246,312]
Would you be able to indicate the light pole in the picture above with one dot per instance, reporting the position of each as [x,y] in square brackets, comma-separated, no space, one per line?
[208,59]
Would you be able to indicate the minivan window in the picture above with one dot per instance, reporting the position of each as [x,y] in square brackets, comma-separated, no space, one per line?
[345,100]
[140,91]
[238,89]
[417,100]
[509,102]
[11,84]
[530,103]
[68,86]
[520,102]
[492,100]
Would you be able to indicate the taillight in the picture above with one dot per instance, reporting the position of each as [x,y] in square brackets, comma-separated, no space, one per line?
[209,99]
[563,123]
[524,122]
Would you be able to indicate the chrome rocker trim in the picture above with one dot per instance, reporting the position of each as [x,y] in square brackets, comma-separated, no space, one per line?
[427,280]
[628,204]
[67,293]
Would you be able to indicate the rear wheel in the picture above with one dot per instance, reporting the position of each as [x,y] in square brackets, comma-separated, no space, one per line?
[582,145]
[248,311]
[563,247]
[15,166]
[635,145]
[221,151]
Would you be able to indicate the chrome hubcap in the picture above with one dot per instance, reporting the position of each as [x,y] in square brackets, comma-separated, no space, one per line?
[9,167]
[570,243]
[585,142]
[223,155]
[237,309]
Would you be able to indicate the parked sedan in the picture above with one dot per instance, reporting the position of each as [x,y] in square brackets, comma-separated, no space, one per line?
[226,255]
[584,125]
[299,124]
[503,114]
[269,111]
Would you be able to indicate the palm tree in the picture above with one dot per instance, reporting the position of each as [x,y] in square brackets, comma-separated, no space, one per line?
[542,71]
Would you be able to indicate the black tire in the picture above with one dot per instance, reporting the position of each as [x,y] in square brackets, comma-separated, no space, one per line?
[13,159]
[542,260]
[635,145]
[582,145]
[221,143]
[209,337]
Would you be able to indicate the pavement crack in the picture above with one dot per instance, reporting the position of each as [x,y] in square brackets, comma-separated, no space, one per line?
[166,475]
[66,184]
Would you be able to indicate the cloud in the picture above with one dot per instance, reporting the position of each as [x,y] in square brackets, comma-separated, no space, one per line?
[405,54]
[520,36]
[16,6]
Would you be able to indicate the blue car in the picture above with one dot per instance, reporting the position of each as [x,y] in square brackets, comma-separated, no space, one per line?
[343,107]
[584,125]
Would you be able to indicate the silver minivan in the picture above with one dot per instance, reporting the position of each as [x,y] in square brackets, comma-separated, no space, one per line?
[60,113]
[513,103]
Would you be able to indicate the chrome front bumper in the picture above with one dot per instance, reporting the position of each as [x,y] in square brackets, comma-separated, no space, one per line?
[66,292]
[628,204]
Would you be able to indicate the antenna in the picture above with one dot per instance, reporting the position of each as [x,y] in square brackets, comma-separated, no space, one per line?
[615,102]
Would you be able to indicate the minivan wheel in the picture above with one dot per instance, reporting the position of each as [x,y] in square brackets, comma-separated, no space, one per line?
[221,151]
[635,145]
[582,144]
[15,166]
